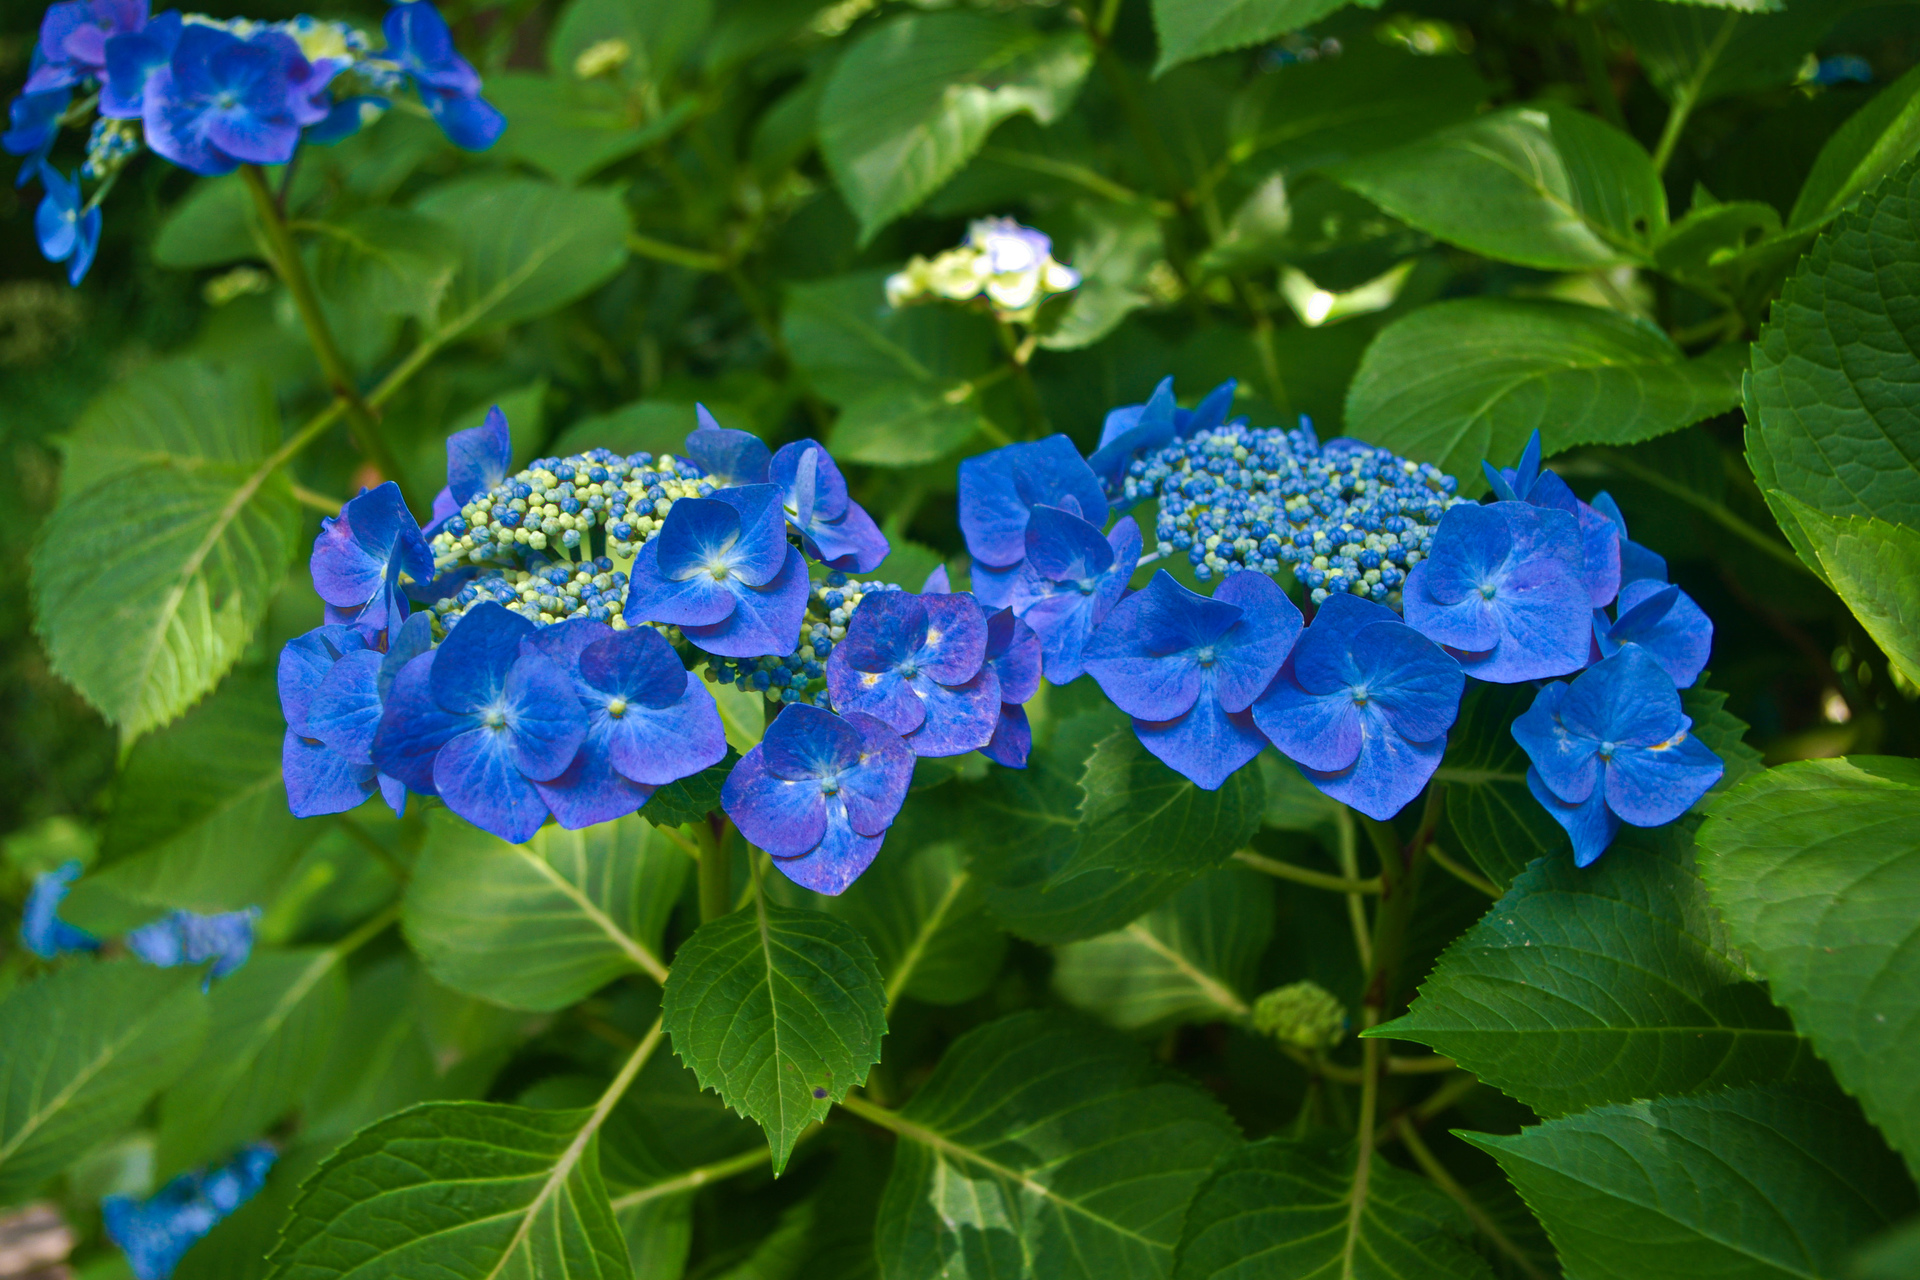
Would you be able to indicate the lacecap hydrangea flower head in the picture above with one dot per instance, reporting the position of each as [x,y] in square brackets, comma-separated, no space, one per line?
[1009,266]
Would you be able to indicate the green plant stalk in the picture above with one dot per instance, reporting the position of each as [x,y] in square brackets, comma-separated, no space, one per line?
[1018,353]
[1689,94]
[1438,1174]
[716,871]
[1302,875]
[1356,905]
[285,256]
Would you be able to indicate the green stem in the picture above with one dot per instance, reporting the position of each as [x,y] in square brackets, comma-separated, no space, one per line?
[1018,353]
[1363,1162]
[285,256]
[1356,905]
[1714,511]
[1301,875]
[367,932]
[695,1178]
[1437,1172]
[678,255]
[1098,183]
[716,870]
[1689,94]
[1461,872]
[364,838]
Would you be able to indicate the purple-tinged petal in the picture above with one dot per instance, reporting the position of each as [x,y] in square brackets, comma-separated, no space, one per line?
[373,534]
[1649,786]
[853,543]
[413,728]
[479,457]
[765,621]
[728,457]
[994,586]
[836,862]
[808,742]
[959,717]
[939,584]
[1014,654]
[1589,822]
[885,695]
[320,780]
[1567,764]
[476,775]
[564,642]
[1012,740]
[1147,655]
[956,637]
[786,817]
[873,788]
[999,490]
[475,658]
[636,665]
[661,744]
[1207,745]
[888,628]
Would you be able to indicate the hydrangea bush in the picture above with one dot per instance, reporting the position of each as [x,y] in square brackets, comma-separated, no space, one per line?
[1097,641]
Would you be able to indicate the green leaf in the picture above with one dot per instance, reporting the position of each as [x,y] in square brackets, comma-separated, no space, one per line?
[379,1060]
[657,37]
[1873,566]
[1893,1256]
[199,818]
[1601,984]
[149,581]
[1812,866]
[1875,140]
[272,1021]
[1190,959]
[1759,1183]
[1136,814]
[692,798]
[1544,186]
[921,910]
[87,1046]
[778,1011]
[1703,53]
[913,99]
[995,1174]
[1830,420]
[1459,381]
[1724,734]
[903,424]
[380,263]
[542,925]
[1114,252]
[1282,1207]
[572,129]
[526,248]
[213,226]
[459,1189]
[1190,29]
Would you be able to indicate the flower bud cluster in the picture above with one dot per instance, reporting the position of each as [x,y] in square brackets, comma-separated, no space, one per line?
[109,146]
[801,676]
[1011,266]
[549,594]
[1343,516]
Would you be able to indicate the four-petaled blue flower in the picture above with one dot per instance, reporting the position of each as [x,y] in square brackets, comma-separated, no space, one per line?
[999,490]
[418,39]
[1187,668]
[721,570]
[1503,590]
[1599,546]
[649,721]
[477,460]
[480,720]
[835,530]
[42,931]
[341,663]
[730,458]
[222,101]
[66,233]
[1133,428]
[1071,578]
[918,663]
[158,1231]
[361,555]
[186,937]
[819,792]
[1611,747]
[1363,706]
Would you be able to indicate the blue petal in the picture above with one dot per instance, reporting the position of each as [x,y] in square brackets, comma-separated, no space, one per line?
[478,458]
[784,816]
[874,785]
[320,780]
[1568,763]
[1142,655]
[762,549]
[1064,547]
[1012,740]
[853,543]
[730,457]
[545,720]
[810,743]
[1628,699]
[413,728]
[1680,638]
[765,621]
[476,776]
[837,861]
[1207,745]
[1388,774]
[959,717]
[887,631]
[1322,660]
[999,489]
[658,745]
[470,674]
[1589,823]
[956,637]
[186,937]
[637,665]
[1249,654]
[1409,679]
[304,663]
[1132,428]
[42,930]
[1315,730]
[355,550]
[1014,653]
[591,791]
[699,599]
[470,122]
[1650,786]
[345,711]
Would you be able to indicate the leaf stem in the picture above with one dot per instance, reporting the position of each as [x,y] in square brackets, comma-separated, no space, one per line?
[374,849]
[695,1178]
[903,972]
[367,932]
[1689,94]
[1363,1162]
[1018,353]
[716,871]
[1356,905]
[1460,872]
[677,255]
[1437,1172]
[1301,875]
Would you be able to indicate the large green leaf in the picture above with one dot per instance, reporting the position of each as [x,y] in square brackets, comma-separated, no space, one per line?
[1136,814]
[1875,140]
[1459,381]
[86,1047]
[1190,959]
[1874,566]
[1544,186]
[525,248]
[542,925]
[1190,29]
[657,35]
[1283,1208]
[1703,52]
[199,819]
[176,525]
[1047,1148]
[1831,419]
[1490,814]
[379,1059]
[1815,866]
[272,1022]
[571,128]
[921,910]
[1763,1184]
[380,263]
[913,99]
[213,226]
[1600,984]
[465,1190]
[778,1011]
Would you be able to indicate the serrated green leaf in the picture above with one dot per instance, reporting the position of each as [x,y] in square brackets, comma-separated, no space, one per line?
[1813,865]
[148,583]
[86,1047]
[1136,814]
[1723,733]
[1830,417]
[848,341]
[778,1011]
[378,1060]
[381,263]
[271,1022]
[1874,566]
[1282,1208]
[1760,1183]
[691,799]
[1190,29]
[1190,959]
[541,925]
[912,100]
[903,424]
[995,1176]
[466,1190]
[213,226]
[921,910]
[571,128]
[1460,381]
[525,248]
[1543,186]
[1875,140]
[1601,984]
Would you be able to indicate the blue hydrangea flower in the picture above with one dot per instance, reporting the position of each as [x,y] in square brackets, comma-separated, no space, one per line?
[1664,621]
[819,792]
[66,233]
[720,569]
[834,529]
[1187,668]
[1071,578]
[74,38]
[1363,706]
[418,39]
[33,124]
[729,458]
[918,663]
[477,460]
[1014,657]
[1000,489]
[1611,747]
[1134,429]
[362,554]
[649,722]
[321,779]
[1600,547]
[485,720]
[1503,589]
[158,1231]
[42,931]
[222,101]
[132,59]
[186,937]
